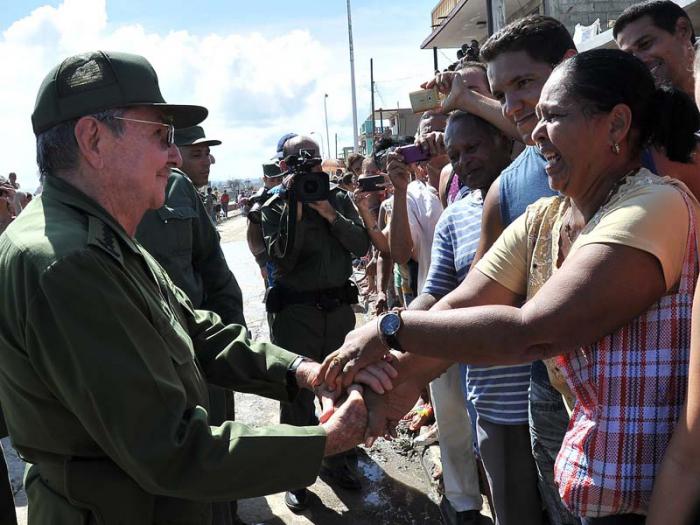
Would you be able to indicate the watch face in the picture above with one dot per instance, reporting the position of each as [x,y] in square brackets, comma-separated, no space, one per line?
[390,323]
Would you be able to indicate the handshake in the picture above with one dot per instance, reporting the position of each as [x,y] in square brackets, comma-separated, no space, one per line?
[359,389]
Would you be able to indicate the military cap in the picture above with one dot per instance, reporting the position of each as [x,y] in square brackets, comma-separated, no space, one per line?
[97,81]
[271,169]
[193,136]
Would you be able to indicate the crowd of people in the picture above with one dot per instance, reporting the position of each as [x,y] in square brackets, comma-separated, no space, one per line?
[542,257]
[569,242]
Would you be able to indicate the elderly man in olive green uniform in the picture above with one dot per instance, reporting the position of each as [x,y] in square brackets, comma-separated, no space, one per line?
[182,238]
[310,294]
[105,361]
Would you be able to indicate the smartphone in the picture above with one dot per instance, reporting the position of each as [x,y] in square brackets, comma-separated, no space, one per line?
[424,100]
[412,154]
[374,183]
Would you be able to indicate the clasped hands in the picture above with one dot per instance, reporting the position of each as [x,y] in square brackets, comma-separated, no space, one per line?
[361,394]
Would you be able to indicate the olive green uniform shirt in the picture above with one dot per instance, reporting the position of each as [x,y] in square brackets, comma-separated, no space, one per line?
[103,357]
[319,255]
[182,238]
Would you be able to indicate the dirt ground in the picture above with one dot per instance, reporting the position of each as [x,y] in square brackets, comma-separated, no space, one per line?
[395,487]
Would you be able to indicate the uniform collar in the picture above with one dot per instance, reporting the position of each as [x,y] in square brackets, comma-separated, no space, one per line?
[59,190]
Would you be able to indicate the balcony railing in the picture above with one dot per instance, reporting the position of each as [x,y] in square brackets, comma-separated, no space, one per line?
[440,12]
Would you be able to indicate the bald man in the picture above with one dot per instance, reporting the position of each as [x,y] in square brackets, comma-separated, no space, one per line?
[310,297]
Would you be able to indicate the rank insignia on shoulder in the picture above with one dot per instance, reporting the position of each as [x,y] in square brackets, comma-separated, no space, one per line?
[101,235]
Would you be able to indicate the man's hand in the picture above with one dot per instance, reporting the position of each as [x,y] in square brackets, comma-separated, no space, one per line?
[362,347]
[433,144]
[386,411]
[347,426]
[442,81]
[325,210]
[361,200]
[377,376]
[459,95]
[398,172]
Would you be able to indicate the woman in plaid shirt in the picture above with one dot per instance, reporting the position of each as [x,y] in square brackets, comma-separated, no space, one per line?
[607,271]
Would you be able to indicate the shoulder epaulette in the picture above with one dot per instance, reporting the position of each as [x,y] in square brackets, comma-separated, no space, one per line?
[102,236]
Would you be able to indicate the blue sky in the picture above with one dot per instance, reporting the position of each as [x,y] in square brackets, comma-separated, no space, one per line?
[261,67]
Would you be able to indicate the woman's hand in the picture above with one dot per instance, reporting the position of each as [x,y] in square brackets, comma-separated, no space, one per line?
[362,347]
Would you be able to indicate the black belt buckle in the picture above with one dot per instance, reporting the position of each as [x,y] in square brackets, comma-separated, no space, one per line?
[327,304]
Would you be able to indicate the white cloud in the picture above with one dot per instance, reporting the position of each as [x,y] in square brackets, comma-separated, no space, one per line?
[257,87]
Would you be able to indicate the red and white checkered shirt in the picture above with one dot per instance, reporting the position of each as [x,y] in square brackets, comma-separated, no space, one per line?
[630,388]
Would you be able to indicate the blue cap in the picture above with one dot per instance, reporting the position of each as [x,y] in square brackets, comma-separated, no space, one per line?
[280,145]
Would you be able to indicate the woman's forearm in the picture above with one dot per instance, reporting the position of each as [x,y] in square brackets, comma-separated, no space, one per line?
[487,335]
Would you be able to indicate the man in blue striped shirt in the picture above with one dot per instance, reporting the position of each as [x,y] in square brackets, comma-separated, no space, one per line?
[478,153]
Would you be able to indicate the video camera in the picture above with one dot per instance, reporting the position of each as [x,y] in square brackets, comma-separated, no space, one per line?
[308,185]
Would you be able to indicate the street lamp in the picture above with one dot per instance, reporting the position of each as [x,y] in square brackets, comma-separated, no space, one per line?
[323,153]
[325,113]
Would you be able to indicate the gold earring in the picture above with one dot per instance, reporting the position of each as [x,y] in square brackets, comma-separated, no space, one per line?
[616,148]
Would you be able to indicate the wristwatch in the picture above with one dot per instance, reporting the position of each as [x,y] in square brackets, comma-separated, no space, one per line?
[388,326]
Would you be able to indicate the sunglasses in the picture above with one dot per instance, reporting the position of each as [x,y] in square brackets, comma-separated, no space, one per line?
[170,138]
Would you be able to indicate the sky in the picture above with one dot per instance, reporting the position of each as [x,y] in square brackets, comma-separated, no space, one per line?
[261,68]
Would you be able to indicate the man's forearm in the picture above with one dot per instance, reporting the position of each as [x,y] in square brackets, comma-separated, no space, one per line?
[490,110]
[424,301]
[418,369]
[376,236]
[353,237]
[384,273]
[400,240]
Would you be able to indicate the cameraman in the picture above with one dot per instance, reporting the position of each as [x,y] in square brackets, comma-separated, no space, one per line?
[311,247]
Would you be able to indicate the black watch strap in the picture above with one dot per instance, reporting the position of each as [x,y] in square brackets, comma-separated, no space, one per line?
[393,342]
[292,373]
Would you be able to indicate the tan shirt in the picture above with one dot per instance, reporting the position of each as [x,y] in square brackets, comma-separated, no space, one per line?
[647,212]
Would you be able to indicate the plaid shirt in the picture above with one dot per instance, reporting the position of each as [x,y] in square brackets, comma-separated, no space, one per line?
[630,388]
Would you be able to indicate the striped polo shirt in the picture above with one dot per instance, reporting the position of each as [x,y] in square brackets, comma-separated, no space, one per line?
[499,393]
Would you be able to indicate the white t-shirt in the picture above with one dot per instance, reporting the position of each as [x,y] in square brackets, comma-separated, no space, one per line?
[424,210]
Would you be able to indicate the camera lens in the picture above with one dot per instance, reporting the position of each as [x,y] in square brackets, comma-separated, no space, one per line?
[310,186]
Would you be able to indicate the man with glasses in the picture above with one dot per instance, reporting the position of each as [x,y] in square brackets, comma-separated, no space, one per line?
[104,360]
[182,238]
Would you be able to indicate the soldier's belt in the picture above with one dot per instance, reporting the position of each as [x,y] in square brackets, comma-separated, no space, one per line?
[327,299]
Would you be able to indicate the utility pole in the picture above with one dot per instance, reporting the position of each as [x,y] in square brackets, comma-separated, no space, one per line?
[352,81]
[325,113]
[371,84]
[336,145]
[496,15]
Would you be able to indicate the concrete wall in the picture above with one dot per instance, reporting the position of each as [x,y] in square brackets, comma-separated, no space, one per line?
[572,12]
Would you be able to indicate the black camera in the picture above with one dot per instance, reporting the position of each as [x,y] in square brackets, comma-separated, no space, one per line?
[385,146]
[308,186]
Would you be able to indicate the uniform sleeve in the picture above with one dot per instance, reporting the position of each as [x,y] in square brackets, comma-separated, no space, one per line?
[348,227]
[652,218]
[506,260]
[442,275]
[221,291]
[128,377]
[282,240]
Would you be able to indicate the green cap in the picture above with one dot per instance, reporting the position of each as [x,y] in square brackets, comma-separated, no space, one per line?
[193,136]
[97,81]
